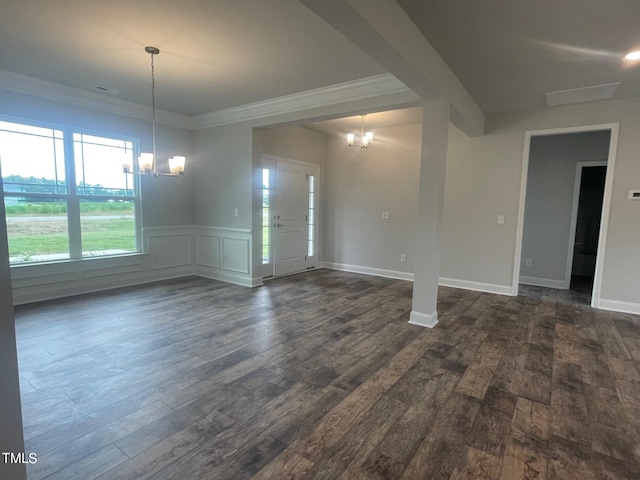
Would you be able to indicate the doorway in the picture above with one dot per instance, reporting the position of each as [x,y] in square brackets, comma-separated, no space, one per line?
[586,218]
[544,253]
[291,221]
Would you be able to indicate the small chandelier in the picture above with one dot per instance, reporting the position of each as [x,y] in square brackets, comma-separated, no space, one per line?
[147,161]
[366,139]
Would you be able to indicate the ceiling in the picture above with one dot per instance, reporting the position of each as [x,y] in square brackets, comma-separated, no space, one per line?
[213,54]
[509,53]
[225,53]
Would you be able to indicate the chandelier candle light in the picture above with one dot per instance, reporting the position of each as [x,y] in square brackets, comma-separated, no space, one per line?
[147,161]
[366,139]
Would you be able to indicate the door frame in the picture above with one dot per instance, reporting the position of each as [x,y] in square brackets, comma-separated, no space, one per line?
[574,215]
[270,161]
[606,203]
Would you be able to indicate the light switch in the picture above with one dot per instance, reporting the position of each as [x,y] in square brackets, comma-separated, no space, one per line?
[235,212]
[385,215]
[500,219]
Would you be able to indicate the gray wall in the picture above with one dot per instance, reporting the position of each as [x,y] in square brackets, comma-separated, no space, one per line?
[361,184]
[165,201]
[222,172]
[621,269]
[295,143]
[483,181]
[549,201]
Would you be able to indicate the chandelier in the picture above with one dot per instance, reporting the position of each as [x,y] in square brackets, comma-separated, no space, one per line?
[147,161]
[366,139]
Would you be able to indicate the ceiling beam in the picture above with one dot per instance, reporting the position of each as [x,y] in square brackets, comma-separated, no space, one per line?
[383,30]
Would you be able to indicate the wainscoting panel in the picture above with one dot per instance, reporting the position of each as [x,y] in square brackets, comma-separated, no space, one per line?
[235,254]
[33,283]
[168,251]
[208,250]
[224,254]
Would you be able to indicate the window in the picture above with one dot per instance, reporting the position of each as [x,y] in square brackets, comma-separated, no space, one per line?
[65,193]
[266,250]
[311,220]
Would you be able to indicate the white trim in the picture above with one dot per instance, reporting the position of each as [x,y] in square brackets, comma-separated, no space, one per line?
[606,204]
[604,220]
[360,89]
[408,276]
[520,228]
[574,217]
[427,320]
[61,93]
[618,306]
[223,229]
[476,286]
[544,282]
[364,88]
[275,159]
[378,272]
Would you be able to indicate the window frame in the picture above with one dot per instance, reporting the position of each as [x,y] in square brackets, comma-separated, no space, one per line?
[73,198]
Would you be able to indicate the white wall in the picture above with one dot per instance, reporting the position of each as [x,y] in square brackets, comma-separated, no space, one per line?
[549,202]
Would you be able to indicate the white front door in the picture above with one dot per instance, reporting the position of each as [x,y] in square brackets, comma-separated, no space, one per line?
[293,227]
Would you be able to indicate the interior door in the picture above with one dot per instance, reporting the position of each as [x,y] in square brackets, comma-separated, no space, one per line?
[290,223]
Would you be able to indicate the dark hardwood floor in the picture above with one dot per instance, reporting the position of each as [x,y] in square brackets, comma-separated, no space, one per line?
[319,376]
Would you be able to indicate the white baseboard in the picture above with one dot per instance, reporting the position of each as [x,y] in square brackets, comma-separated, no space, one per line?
[428,320]
[443,281]
[618,306]
[477,286]
[544,282]
[378,272]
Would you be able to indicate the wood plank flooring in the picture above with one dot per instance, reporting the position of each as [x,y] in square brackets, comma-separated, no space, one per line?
[319,376]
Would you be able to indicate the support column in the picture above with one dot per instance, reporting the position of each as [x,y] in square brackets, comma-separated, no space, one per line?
[433,167]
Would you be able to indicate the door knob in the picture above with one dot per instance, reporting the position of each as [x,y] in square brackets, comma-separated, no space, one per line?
[280,225]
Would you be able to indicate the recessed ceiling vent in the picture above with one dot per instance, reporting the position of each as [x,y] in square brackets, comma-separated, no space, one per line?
[108,90]
[585,94]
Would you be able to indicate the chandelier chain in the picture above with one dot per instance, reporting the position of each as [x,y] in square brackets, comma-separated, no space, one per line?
[153,110]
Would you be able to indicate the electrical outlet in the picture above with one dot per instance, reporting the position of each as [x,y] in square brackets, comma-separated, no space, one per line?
[403,257]
[385,215]
[500,219]
[528,262]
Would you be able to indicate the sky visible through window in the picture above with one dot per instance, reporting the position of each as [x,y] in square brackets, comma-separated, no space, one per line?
[29,151]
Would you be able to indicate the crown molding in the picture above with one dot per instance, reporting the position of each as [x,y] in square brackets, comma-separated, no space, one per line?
[369,87]
[54,91]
